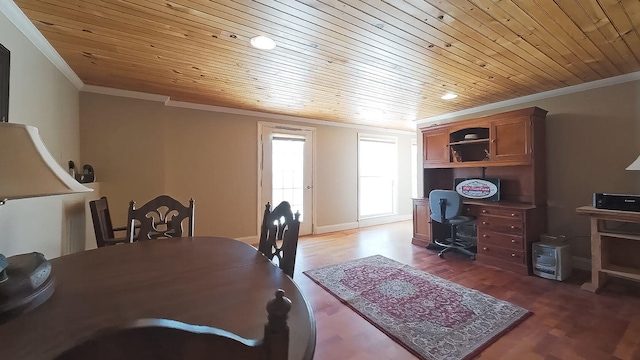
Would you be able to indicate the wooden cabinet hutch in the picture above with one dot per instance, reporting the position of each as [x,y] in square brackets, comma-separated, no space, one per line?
[509,146]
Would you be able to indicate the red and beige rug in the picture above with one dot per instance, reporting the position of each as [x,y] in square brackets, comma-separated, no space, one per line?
[431,317]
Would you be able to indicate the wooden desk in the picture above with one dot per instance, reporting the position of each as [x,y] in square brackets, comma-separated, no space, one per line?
[505,231]
[210,281]
[613,251]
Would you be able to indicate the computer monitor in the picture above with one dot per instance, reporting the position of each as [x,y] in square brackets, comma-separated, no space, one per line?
[478,188]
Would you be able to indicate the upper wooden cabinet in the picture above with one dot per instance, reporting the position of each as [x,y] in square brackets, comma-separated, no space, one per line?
[435,146]
[511,140]
[504,139]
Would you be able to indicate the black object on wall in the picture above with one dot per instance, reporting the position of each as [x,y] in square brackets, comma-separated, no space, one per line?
[5,57]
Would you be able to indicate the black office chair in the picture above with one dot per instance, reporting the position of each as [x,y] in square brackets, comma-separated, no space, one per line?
[446,206]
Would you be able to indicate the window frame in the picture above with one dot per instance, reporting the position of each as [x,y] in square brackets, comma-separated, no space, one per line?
[5,62]
[394,177]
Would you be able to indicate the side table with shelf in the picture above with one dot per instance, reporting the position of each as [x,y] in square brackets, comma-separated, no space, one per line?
[614,252]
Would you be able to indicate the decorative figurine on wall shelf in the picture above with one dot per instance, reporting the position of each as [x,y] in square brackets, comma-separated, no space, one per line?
[456,155]
[86,176]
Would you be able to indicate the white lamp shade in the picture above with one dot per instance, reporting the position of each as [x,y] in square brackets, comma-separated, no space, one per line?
[634,165]
[27,169]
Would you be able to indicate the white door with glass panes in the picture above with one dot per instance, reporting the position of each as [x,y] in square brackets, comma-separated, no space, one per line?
[286,168]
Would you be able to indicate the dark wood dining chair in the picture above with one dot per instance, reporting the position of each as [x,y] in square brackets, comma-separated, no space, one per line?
[279,236]
[161,217]
[160,339]
[102,226]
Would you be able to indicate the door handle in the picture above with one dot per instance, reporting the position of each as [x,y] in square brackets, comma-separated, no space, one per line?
[309,187]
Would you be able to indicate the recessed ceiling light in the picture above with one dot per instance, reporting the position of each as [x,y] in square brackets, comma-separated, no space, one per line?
[263,43]
[449,96]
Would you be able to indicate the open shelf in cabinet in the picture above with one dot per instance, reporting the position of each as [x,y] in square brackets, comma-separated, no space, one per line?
[469,145]
[619,254]
[467,142]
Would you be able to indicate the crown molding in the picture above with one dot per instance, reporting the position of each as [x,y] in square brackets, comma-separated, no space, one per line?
[26,27]
[188,105]
[124,93]
[620,79]
[283,117]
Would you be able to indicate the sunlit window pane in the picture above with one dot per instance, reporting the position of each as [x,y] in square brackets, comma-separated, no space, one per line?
[288,167]
[377,169]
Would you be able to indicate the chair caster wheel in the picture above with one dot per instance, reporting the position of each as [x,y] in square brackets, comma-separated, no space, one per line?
[441,255]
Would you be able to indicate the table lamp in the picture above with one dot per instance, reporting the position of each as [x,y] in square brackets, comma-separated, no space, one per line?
[634,165]
[27,169]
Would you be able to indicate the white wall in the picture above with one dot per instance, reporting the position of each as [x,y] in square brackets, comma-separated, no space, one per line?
[142,148]
[41,96]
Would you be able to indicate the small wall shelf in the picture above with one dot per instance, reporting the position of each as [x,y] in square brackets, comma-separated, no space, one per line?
[464,142]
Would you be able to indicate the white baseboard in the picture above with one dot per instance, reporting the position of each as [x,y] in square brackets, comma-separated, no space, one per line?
[336,227]
[249,239]
[362,223]
[384,220]
[581,263]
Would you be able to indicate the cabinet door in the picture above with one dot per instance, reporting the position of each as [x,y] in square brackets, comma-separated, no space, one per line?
[511,140]
[435,146]
[421,222]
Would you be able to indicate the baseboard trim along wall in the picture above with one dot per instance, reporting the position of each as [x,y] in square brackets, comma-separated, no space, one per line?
[336,227]
[384,220]
[362,223]
[249,239]
[581,263]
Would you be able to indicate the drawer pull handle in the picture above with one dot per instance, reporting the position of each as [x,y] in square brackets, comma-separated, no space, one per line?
[513,227]
[513,241]
[513,214]
[513,255]
[484,211]
[485,248]
[485,223]
[485,236]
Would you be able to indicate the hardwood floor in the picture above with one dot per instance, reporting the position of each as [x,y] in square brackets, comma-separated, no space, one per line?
[568,323]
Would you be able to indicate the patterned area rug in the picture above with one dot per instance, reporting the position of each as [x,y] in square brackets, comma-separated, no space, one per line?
[433,318]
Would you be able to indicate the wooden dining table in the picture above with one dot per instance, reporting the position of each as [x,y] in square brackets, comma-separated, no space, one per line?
[212,281]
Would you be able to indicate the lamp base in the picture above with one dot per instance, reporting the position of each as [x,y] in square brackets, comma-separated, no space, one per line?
[24,284]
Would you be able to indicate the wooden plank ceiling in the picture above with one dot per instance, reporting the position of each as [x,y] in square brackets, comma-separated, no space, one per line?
[382,63]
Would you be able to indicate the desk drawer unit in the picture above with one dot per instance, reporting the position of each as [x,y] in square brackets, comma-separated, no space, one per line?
[506,213]
[501,225]
[508,241]
[503,240]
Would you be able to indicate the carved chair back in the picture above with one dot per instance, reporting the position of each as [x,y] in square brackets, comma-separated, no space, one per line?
[161,217]
[161,339]
[279,236]
[102,226]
